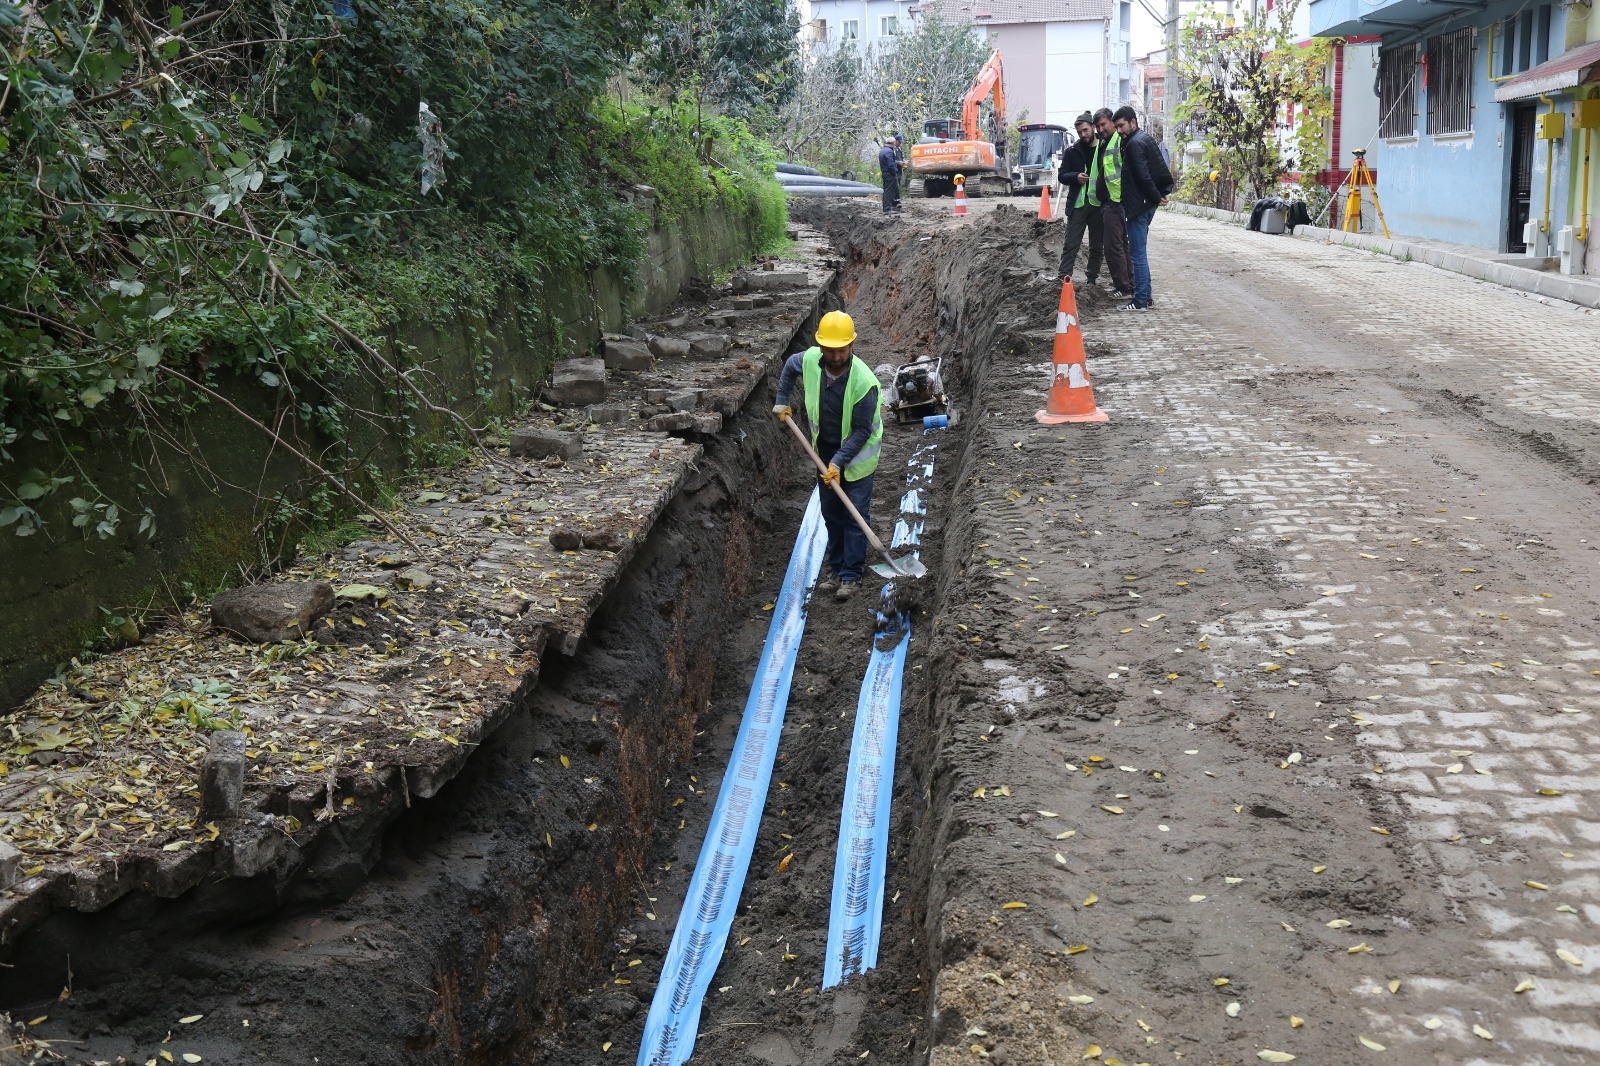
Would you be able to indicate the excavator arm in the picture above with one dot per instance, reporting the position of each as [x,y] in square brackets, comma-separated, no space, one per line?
[990,77]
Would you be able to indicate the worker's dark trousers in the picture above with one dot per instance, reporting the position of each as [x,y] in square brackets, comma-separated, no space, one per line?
[1116,237]
[1085,218]
[891,202]
[847,545]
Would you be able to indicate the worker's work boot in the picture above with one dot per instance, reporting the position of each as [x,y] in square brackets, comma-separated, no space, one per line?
[827,585]
[846,590]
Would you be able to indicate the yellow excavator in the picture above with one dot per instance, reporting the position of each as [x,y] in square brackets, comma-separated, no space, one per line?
[948,147]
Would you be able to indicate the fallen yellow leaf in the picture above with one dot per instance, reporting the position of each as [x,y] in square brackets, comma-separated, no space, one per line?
[1082,1001]
[1339,923]
[1540,885]
[1076,949]
[1367,1041]
[1524,986]
[1358,949]
[1268,1055]
[783,863]
[1092,1051]
[1295,1021]
[1091,900]
[1478,1030]
[1110,810]
[1568,957]
[1433,1023]
[1014,905]
[1394,986]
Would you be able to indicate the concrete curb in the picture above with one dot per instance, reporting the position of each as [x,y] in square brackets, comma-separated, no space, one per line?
[1575,289]
[1581,290]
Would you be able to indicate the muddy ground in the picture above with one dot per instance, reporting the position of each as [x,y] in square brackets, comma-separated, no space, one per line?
[1220,736]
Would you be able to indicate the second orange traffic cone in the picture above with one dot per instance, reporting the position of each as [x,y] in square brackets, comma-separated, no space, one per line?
[1046,213]
[961,196]
[1071,397]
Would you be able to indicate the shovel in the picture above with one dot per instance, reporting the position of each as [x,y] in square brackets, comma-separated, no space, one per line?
[908,566]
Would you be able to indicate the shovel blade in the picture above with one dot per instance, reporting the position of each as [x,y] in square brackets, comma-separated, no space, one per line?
[909,566]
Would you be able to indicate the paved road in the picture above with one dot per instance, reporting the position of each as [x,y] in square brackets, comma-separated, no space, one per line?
[1406,460]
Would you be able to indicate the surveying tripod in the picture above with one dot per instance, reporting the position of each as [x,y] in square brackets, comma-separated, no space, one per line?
[1361,175]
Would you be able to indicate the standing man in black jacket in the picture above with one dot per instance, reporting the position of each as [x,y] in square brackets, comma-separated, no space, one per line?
[889,168]
[1146,183]
[1079,172]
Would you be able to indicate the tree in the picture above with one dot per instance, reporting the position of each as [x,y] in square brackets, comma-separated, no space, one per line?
[742,55]
[1256,98]
[924,74]
[823,120]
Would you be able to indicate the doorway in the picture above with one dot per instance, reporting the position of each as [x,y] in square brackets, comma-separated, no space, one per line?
[1522,137]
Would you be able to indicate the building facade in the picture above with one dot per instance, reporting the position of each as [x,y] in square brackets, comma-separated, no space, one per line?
[1486,116]
[1062,57]
[855,24]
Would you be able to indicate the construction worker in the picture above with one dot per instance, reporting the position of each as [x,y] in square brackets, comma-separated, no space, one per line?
[1080,173]
[889,170]
[1146,188]
[846,422]
[1109,188]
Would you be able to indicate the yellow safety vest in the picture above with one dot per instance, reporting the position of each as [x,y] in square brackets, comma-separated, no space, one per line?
[861,381]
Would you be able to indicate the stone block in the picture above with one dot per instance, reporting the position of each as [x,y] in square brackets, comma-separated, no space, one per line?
[670,347]
[602,413]
[577,382]
[623,353]
[780,279]
[10,865]
[676,422]
[684,400]
[709,344]
[222,775]
[267,613]
[707,422]
[539,443]
[656,395]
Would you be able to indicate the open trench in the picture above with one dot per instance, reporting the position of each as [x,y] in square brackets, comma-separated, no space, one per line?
[523,914]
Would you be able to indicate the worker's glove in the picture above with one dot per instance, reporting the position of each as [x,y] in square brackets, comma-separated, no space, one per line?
[831,475]
[783,411]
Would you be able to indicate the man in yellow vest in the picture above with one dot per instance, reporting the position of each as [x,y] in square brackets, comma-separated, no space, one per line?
[1112,219]
[840,395]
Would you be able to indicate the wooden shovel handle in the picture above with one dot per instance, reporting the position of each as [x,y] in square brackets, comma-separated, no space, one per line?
[872,538]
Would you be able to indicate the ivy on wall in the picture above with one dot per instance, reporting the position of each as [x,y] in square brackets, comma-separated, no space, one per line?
[213,192]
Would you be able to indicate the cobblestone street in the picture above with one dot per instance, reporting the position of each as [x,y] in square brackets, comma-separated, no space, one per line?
[1376,622]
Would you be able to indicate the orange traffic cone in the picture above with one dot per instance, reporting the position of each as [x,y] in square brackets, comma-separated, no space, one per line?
[1071,397]
[961,196]
[1046,213]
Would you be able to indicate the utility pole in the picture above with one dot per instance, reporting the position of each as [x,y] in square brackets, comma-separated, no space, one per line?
[1170,97]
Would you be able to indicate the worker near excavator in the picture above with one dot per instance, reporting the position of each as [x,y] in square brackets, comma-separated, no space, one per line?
[1109,188]
[889,167]
[840,402]
[1080,175]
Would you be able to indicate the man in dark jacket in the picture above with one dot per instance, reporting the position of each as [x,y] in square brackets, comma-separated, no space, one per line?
[889,168]
[1146,182]
[1108,186]
[1079,174]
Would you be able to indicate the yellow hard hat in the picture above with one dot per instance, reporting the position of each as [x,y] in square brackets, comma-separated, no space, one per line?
[836,330]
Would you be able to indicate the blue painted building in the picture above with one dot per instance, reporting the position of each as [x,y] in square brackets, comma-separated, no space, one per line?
[1463,151]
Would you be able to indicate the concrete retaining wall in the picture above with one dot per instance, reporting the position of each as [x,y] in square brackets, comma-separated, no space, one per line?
[60,588]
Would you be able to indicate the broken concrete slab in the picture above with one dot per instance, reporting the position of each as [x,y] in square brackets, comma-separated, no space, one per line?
[10,863]
[707,422]
[676,422]
[623,353]
[414,578]
[222,775]
[603,413]
[670,347]
[684,399]
[268,613]
[577,382]
[709,344]
[656,395]
[530,443]
[779,279]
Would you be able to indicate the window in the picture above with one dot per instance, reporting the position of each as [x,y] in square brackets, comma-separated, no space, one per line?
[852,31]
[1397,91]
[1450,82]
[889,25]
[1126,16]
[1522,41]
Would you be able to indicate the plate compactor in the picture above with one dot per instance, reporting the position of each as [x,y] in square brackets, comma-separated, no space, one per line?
[918,390]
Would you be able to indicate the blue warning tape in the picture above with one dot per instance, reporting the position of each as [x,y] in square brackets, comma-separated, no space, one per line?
[855,920]
[713,896]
